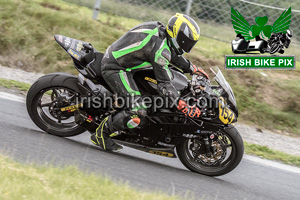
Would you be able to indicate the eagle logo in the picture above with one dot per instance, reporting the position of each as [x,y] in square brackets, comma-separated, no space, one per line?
[269,38]
[241,26]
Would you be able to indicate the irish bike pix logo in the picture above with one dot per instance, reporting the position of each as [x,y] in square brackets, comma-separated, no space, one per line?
[260,38]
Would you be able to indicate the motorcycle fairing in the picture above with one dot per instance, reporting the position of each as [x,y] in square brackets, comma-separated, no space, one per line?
[239,46]
[243,46]
[153,137]
[160,151]
[226,115]
[147,83]
[69,43]
[76,55]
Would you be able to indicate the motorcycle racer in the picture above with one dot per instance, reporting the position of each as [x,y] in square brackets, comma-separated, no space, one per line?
[149,44]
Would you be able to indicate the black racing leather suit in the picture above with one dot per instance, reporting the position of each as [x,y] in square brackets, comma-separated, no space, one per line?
[145,45]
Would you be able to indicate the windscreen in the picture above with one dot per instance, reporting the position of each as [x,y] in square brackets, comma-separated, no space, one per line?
[219,78]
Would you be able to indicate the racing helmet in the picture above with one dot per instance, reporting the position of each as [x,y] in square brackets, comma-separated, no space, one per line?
[183,33]
[289,33]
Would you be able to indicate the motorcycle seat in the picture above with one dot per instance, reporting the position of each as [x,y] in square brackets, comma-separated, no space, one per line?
[94,67]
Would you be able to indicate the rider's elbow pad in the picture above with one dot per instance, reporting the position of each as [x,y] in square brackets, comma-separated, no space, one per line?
[163,57]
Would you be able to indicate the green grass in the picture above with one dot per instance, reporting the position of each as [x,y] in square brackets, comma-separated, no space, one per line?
[27,181]
[269,102]
[14,84]
[270,154]
[26,37]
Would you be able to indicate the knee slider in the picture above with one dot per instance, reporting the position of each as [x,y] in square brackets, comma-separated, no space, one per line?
[124,120]
[141,113]
[118,121]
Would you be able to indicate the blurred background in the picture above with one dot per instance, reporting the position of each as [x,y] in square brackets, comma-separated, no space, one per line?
[213,16]
[268,99]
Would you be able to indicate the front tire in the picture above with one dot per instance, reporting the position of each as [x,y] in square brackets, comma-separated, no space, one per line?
[236,154]
[274,48]
[43,86]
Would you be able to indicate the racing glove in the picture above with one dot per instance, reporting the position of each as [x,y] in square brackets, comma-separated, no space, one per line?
[199,71]
[191,111]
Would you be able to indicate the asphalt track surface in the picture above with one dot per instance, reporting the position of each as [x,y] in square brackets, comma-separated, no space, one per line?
[25,142]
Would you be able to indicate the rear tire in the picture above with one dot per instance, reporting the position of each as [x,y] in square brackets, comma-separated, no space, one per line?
[59,80]
[237,154]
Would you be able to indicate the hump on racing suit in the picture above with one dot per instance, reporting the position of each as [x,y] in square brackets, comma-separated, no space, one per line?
[146,45]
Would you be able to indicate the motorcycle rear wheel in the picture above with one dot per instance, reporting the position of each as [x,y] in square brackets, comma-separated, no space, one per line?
[53,85]
[228,164]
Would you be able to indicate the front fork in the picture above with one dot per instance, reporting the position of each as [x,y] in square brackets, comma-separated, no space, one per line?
[207,141]
[209,148]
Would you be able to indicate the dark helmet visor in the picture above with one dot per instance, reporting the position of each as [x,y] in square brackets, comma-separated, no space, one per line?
[185,42]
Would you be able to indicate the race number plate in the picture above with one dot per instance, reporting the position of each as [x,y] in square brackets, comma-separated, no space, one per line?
[225,114]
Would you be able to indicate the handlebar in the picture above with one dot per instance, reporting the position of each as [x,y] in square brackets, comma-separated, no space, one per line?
[199,80]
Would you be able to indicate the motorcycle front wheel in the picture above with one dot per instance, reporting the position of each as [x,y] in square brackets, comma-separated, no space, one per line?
[229,150]
[274,48]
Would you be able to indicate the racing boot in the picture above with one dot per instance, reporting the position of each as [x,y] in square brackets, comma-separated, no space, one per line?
[102,137]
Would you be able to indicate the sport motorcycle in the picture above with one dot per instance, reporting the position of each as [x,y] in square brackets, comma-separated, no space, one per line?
[59,104]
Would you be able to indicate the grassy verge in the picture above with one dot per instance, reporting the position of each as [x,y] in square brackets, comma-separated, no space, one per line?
[14,84]
[27,36]
[270,154]
[26,39]
[25,181]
